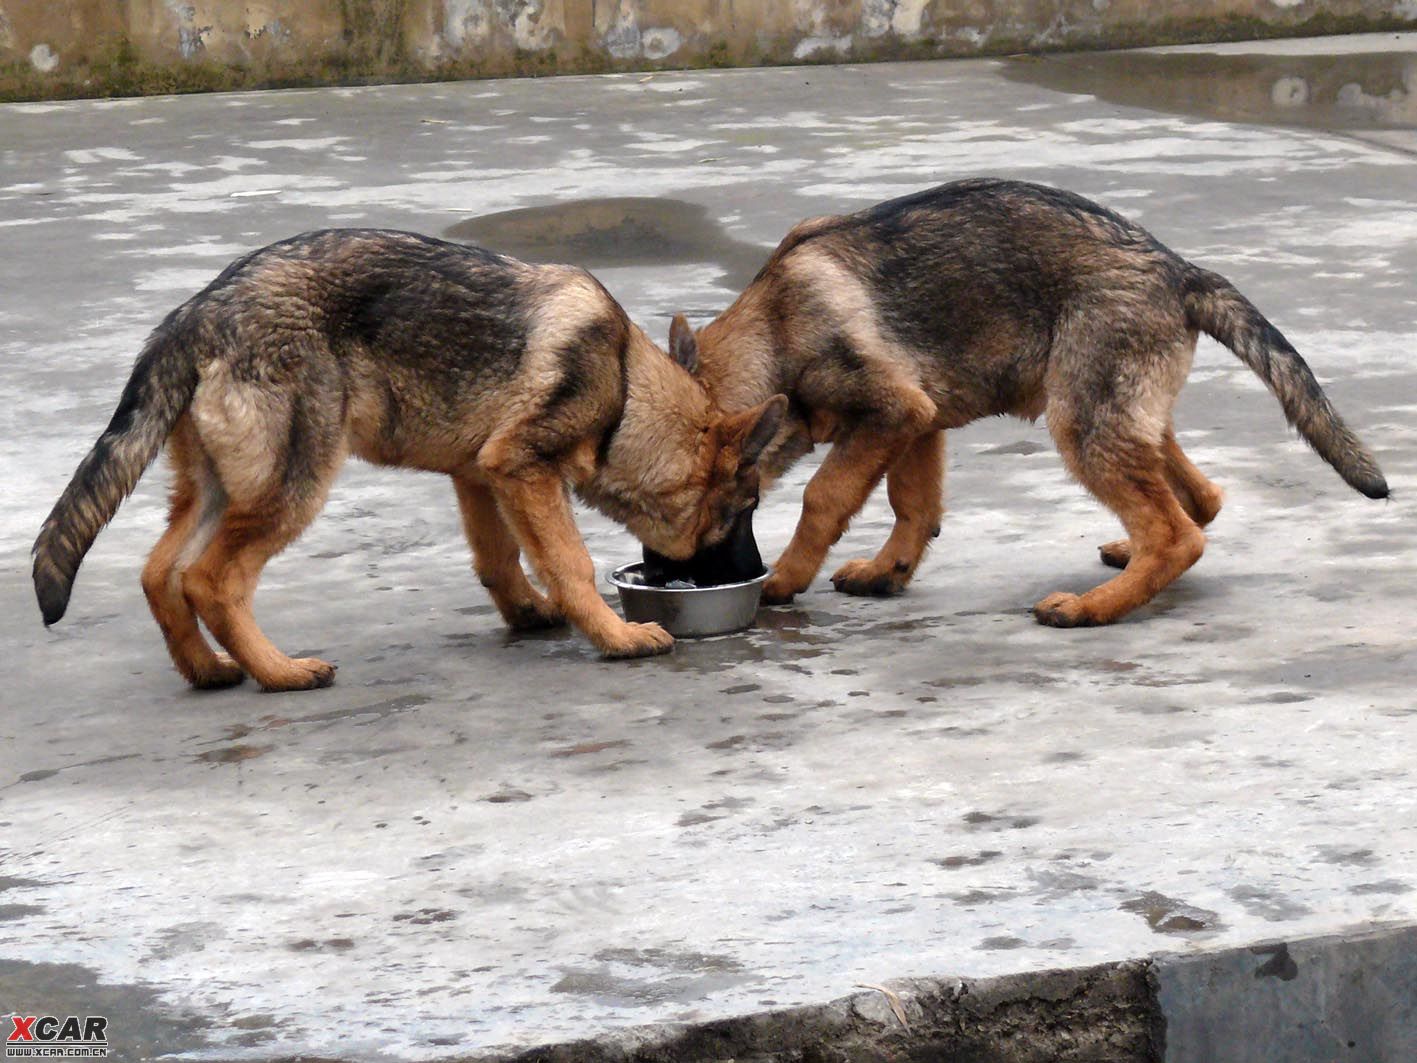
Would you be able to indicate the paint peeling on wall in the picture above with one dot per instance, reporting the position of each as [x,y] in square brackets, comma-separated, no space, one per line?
[78,47]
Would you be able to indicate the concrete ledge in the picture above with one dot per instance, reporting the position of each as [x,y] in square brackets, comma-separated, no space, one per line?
[1107,1012]
[1322,999]
[1309,1001]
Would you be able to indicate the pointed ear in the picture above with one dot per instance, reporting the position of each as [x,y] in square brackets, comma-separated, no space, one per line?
[762,423]
[683,347]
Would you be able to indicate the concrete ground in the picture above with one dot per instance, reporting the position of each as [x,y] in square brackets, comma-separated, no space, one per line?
[476,842]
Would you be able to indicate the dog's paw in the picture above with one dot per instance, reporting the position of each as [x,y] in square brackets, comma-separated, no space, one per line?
[778,591]
[534,616]
[224,673]
[865,578]
[1062,609]
[303,673]
[638,640]
[1118,554]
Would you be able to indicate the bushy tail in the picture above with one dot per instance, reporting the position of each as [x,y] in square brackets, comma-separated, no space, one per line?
[157,393]
[1216,307]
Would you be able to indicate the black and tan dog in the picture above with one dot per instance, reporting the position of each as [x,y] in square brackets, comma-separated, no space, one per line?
[513,379]
[982,297]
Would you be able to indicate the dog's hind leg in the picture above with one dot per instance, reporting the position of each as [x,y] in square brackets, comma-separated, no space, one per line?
[196,508]
[1128,475]
[1198,496]
[276,458]
[497,561]
[222,584]
[915,487]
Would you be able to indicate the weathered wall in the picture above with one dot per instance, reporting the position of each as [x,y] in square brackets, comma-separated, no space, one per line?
[98,47]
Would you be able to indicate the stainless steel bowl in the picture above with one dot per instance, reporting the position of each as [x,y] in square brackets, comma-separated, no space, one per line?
[691,612]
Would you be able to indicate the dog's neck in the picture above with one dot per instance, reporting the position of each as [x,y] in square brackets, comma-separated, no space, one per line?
[739,360]
[741,363]
[653,439]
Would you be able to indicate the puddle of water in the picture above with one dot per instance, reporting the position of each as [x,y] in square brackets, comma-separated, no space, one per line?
[1377,90]
[611,233]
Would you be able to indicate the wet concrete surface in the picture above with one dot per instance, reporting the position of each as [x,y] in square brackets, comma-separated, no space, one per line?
[476,840]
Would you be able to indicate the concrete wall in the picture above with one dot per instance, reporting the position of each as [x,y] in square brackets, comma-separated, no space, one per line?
[101,47]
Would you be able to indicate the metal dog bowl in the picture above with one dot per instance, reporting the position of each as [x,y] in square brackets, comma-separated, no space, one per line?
[689,612]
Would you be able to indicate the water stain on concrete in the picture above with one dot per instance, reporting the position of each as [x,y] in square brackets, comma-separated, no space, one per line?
[583,748]
[617,232]
[1388,885]
[18,911]
[1003,941]
[1053,885]
[1360,91]
[426,916]
[380,710]
[1282,697]
[322,945]
[184,938]
[233,754]
[507,796]
[999,821]
[9,882]
[974,898]
[1267,905]
[1347,855]
[1157,708]
[644,977]
[1166,915]
[1023,446]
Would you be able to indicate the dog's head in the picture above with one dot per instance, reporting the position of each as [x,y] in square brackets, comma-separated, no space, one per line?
[678,472]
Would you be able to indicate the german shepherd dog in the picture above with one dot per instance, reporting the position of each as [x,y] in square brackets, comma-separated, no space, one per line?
[514,380]
[887,327]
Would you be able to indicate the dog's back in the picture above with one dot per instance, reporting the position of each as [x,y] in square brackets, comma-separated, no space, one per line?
[1003,296]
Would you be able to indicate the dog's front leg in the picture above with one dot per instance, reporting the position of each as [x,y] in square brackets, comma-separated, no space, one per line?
[536,506]
[497,561]
[835,493]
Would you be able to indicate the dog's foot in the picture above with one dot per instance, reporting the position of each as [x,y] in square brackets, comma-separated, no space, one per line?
[1062,609]
[778,591]
[866,579]
[534,615]
[224,673]
[303,673]
[1118,554]
[637,640]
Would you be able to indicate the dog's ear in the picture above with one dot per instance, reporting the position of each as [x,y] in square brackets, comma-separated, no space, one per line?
[756,429]
[683,348]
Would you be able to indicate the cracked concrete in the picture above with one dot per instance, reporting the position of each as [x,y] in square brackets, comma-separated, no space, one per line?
[476,843]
